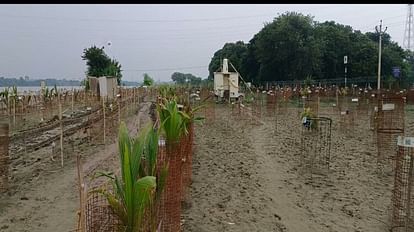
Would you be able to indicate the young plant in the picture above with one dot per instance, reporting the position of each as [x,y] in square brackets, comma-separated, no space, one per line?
[306,115]
[173,121]
[149,138]
[173,125]
[132,192]
[5,96]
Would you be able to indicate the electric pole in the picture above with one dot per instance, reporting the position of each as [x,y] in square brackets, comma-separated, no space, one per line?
[380,32]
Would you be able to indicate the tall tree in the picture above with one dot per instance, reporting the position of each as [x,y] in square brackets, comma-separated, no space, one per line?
[235,52]
[148,81]
[99,64]
[96,60]
[294,46]
[182,78]
[287,48]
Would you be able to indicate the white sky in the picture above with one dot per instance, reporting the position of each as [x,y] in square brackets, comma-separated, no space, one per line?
[47,41]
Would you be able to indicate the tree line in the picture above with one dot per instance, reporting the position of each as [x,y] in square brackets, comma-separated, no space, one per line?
[295,47]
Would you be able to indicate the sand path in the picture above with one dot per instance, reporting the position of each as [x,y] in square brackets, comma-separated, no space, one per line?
[246,177]
[50,202]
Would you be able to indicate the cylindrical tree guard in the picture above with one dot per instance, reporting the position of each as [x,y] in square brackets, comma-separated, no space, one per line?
[187,160]
[161,161]
[270,104]
[390,125]
[99,215]
[172,195]
[4,157]
[316,145]
[403,197]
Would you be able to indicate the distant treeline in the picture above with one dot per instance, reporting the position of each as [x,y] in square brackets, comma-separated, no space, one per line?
[4,82]
[296,47]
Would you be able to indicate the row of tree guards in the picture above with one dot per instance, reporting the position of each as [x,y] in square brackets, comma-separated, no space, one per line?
[30,109]
[395,149]
[163,213]
[90,117]
[386,113]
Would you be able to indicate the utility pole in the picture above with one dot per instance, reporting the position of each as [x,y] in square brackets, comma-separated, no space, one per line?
[380,32]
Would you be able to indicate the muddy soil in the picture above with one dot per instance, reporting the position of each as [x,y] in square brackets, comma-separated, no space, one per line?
[44,196]
[247,177]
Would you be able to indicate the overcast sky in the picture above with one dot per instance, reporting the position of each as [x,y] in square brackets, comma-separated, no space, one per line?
[47,41]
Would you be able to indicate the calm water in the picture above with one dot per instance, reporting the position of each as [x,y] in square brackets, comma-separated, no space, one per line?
[36,89]
[27,89]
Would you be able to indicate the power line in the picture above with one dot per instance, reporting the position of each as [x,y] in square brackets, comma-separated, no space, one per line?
[166,69]
[138,20]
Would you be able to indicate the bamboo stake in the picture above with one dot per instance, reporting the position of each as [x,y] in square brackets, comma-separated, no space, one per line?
[134,101]
[8,106]
[14,111]
[61,130]
[73,95]
[104,121]
[22,108]
[337,99]
[119,107]
[82,202]
[319,102]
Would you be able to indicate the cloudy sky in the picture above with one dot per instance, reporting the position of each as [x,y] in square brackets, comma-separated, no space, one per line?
[47,41]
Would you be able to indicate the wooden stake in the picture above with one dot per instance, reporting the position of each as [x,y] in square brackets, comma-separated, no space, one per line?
[104,121]
[337,99]
[8,107]
[61,130]
[22,114]
[82,198]
[119,108]
[4,156]
[73,95]
[14,111]
[319,102]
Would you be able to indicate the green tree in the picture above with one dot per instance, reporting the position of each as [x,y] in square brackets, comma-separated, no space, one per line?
[114,69]
[178,78]
[148,81]
[294,46]
[249,69]
[287,48]
[183,78]
[335,44]
[234,52]
[99,64]
[96,60]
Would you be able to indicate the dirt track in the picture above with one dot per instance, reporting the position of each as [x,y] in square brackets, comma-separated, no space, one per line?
[44,197]
[247,178]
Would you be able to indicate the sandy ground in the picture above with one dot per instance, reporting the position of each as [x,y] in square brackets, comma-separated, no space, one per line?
[247,177]
[45,197]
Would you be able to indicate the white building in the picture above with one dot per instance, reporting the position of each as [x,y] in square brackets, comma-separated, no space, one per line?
[226,83]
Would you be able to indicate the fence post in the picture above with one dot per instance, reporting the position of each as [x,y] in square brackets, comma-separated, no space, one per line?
[61,130]
[82,198]
[4,157]
[73,95]
[104,121]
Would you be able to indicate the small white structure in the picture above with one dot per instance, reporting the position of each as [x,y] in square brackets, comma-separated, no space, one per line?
[226,84]
[105,86]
